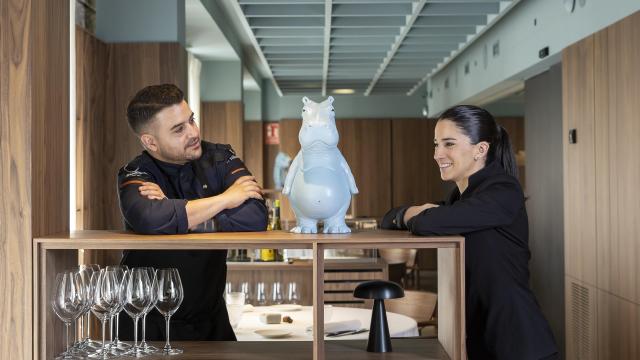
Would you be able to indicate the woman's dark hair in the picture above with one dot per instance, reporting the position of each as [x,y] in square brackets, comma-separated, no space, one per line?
[479,125]
[149,101]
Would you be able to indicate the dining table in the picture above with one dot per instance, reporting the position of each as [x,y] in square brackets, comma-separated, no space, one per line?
[336,318]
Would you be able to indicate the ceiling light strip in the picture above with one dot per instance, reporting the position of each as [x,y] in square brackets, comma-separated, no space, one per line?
[417,9]
[439,68]
[240,15]
[327,44]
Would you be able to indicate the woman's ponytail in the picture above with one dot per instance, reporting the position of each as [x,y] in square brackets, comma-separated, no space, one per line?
[504,153]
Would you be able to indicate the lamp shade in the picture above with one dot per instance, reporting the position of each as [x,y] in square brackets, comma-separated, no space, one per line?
[378,289]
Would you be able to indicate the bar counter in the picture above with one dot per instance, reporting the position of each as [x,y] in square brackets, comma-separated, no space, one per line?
[55,253]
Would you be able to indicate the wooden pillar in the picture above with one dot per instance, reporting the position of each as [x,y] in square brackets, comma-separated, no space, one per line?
[34,153]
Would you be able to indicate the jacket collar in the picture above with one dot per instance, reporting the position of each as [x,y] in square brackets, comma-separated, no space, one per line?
[491,169]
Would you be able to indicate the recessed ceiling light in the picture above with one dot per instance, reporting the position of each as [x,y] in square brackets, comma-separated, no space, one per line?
[343,91]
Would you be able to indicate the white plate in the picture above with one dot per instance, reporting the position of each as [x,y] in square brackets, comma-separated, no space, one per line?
[287,307]
[248,308]
[273,333]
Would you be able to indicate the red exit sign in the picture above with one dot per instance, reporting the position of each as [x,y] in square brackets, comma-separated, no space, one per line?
[272,134]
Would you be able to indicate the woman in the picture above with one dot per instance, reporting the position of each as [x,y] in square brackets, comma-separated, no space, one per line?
[487,207]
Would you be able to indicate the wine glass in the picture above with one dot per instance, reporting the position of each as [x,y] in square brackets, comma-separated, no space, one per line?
[246,289]
[170,296]
[88,342]
[107,296]
[80,345]
[68,300]
[118,347]
[292,293]
[138,297]
[276,293]
[151,272]
[261,296]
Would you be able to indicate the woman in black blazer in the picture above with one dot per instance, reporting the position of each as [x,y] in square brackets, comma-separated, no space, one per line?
[503,318]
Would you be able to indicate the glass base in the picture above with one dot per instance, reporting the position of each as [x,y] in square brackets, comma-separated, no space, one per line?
[149,349]
[171,351]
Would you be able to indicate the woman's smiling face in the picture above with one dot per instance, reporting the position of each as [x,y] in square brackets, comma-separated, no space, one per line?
[455,154]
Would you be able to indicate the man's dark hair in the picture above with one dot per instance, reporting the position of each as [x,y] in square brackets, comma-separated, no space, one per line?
[149,101]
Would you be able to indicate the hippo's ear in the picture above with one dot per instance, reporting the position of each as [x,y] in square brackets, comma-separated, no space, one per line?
[330,99]
[305,100]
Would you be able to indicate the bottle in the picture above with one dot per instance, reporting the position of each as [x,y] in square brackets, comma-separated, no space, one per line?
[274,224]
[275,221]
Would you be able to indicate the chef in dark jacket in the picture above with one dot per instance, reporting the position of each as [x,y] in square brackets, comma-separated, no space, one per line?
[487,207]
[181,184]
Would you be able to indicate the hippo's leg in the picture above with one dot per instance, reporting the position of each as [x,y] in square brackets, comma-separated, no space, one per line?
[335,224]
[305,225]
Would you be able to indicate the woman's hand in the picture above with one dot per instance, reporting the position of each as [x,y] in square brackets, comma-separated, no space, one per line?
[151,191]
[415,210]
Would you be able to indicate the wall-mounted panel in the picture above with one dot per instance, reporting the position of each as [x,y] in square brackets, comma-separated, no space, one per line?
[254,149]
[222,122]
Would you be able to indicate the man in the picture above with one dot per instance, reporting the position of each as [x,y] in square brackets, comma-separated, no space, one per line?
[177,185]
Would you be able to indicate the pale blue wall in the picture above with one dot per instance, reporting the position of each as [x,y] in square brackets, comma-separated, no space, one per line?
[253,105]
[346,106]
[221,81]
[140,21]
[520,40]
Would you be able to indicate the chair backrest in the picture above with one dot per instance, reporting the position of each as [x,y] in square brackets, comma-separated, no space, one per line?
[396,256]
[418,305]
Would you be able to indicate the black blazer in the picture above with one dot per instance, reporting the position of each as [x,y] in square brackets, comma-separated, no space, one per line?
[504,320]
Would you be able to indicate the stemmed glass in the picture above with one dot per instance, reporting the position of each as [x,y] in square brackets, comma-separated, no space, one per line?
[244,287]
[292,295]
[276,293]
[117,346]
[151,272]
[68,300]
[83,273]
[261,296]
[107,296]
[86,341]
[138,297]
[170,295]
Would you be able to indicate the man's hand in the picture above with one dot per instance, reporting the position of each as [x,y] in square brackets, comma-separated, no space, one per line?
[415,210]
[244,188]
[151,191]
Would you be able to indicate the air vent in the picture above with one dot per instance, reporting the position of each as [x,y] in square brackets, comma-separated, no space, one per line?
[581,322]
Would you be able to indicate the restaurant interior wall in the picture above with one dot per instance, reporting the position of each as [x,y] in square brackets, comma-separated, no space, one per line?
[543,138]
[34,166]
[601,88]
[529,27]
[221,81]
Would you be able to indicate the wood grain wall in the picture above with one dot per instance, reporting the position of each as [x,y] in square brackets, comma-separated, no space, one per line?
[107,77]
[34,160]
[601,87]
[222,122]
[253,149]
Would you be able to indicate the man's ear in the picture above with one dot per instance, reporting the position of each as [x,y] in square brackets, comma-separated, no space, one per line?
[149,142]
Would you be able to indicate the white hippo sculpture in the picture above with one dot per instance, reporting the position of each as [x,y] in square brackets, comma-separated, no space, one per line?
[319,183]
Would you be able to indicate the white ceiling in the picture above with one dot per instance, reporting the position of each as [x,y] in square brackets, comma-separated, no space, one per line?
[204,38]
[371,46]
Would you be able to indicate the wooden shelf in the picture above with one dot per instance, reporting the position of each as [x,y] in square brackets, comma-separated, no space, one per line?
[55,253]
[335,350]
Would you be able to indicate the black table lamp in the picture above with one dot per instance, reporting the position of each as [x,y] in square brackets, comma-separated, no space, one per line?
[379,339]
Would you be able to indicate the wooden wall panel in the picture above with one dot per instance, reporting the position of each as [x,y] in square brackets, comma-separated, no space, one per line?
[621,265]
[366,144]
[34,157]
[253,149]
[618,328]
[222,122]
[415,175]
[579,161]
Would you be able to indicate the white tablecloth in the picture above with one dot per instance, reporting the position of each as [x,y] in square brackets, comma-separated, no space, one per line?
[399,325]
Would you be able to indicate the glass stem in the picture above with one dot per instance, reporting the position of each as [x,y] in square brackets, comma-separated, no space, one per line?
[104,346]
[88,332]
[81,332]
[111,329]
[167,346]
[67,352]
[117,327]
[144,322]
[135,334]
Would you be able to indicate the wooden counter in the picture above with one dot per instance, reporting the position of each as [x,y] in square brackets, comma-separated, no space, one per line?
[53,254]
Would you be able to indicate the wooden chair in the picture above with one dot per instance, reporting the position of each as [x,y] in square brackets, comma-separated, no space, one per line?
[420,306]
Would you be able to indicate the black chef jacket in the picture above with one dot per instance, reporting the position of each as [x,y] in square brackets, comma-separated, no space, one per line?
[503,318]
[203,314]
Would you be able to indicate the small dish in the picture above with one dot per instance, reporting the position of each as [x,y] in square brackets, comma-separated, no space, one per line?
[287,307]
[273,333]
